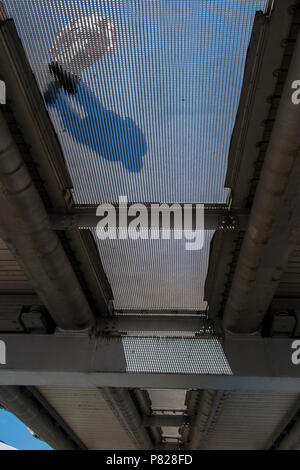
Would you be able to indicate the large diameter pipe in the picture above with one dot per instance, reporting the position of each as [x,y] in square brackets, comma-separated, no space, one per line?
[292,440]
[198,430]
[15,400]
[25,228]
[125,409]
[280,158]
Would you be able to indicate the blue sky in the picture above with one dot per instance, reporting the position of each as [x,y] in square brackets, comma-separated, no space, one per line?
[176,74]
[14,433]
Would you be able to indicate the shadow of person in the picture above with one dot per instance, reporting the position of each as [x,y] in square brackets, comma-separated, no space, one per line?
[102,130]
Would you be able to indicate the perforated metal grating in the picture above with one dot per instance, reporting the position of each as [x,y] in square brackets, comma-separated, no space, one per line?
[175,355]
[156,104]
[159,273]
[149,115]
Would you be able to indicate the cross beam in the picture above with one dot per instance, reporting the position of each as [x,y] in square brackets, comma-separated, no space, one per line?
[155,322]
[216,217]
[165,420]
[254,363]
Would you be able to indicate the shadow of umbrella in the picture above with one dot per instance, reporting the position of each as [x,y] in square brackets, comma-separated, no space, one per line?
[103,131]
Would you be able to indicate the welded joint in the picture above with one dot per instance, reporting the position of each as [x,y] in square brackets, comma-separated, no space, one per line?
[107,326]
[64,222]
[228,222]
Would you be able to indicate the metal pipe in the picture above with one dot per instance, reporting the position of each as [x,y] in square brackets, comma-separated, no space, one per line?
[16,400]
[143,403]
[292,440]
[37,395]
[199,429]
[126,411]
[25,228]
[287,432]
[279,163]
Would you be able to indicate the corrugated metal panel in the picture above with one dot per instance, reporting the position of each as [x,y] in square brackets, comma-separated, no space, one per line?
[12,277]
[246,420]
[290,280]
[10,310]
[89,416]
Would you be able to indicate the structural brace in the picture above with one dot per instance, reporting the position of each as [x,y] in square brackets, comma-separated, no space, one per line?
[254,363]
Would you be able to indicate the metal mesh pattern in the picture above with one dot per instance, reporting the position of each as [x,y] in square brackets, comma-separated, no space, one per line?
[148,114]
[159,273]
[153,116]
[12,276]
[175,355]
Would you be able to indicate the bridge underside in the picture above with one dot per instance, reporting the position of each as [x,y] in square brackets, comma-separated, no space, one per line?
[141,344]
